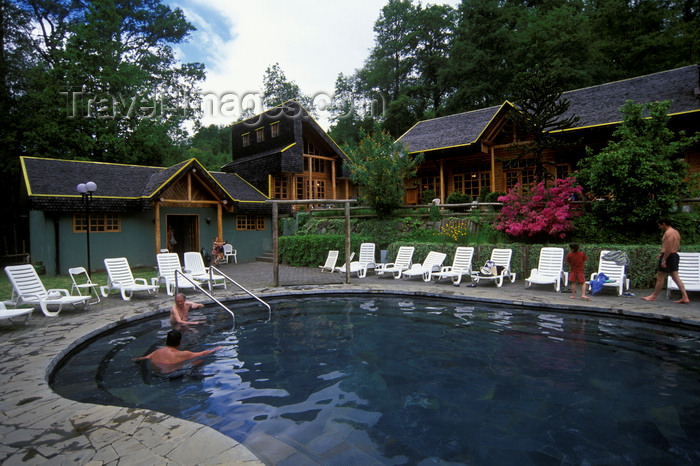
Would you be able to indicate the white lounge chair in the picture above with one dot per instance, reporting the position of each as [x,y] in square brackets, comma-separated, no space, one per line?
[688,272]
[364,262]
[461,265]
[402,262]
[229,252]
[331,260]
[11,314]
[432,263]
[168,266]
[550,269]
[119,277]
[81,281]
[28,288]
[352,256]
[501,259]
[194,266]
[616,274]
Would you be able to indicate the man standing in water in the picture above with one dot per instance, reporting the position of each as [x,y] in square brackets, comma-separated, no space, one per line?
[668,262]
[179,313]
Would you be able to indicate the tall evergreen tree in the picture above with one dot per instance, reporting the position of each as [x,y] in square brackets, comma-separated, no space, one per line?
[540,113]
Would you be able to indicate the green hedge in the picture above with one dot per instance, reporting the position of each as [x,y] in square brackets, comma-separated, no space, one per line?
[311,251]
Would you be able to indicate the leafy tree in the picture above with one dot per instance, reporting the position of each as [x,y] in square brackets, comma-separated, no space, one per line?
[639,176]
[108,86]
[437,23]
[540,111]
[277,89]
[18,53]
[378,167]
[345,114]
[541,213]
[211,145]
[481,55]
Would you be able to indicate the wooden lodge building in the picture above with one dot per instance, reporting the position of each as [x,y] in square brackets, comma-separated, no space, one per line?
[474,151]
[284,153]
[132,209]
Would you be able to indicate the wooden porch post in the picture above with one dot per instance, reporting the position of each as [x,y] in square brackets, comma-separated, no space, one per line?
[219,222]
[157,228]
[275,246]
[348,245]
[442,181]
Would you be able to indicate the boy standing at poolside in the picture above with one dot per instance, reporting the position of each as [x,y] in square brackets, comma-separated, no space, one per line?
[576,260]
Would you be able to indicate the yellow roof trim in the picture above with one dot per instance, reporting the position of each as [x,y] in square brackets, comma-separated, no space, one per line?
[291,145]
[25,176]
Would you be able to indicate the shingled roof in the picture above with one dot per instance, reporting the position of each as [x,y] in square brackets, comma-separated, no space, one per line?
[595,106]
[51,184]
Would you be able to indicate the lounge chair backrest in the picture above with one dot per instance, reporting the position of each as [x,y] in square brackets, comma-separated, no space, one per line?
[463,258]
[434,259]
[404,256]
[689,268]
[366,253]
[118,270]
[331,260]
[168,263]
[502,257]
[25,281]
[194,263]
[609,268]
[551,261]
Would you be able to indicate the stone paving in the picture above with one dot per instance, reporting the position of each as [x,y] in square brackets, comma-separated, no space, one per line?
[39,427]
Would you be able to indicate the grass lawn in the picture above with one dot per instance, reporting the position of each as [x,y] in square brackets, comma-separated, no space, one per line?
[63,281]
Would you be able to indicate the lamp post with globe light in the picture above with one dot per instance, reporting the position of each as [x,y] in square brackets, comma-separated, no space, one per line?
[86,190]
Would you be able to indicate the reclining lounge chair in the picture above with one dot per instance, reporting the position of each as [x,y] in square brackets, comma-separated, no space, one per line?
[28,288]
[119,277]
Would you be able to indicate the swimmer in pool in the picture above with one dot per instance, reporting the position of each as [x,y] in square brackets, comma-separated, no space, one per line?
[180,312]
[170,358]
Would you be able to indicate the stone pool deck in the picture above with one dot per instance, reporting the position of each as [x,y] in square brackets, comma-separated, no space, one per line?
[39,427]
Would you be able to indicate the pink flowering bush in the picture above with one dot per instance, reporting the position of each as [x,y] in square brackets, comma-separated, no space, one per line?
[541,211]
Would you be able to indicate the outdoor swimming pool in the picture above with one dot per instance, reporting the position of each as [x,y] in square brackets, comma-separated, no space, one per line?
[404,380]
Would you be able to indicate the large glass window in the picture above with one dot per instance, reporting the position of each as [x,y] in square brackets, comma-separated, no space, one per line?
[472,180]
[99,222]
[519,171]
[250,222]
[281,187]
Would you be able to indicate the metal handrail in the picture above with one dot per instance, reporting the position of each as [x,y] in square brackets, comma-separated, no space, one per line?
[211,280]
[196,285]
[269,309]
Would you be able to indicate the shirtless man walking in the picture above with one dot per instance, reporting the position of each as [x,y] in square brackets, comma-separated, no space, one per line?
[179,313]
[668,262]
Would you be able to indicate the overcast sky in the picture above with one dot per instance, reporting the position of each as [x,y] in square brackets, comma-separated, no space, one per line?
[312,40]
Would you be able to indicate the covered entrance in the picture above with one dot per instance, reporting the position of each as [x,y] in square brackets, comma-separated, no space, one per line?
[185,230]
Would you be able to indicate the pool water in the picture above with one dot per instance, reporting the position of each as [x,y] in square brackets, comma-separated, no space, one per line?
[407,380]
